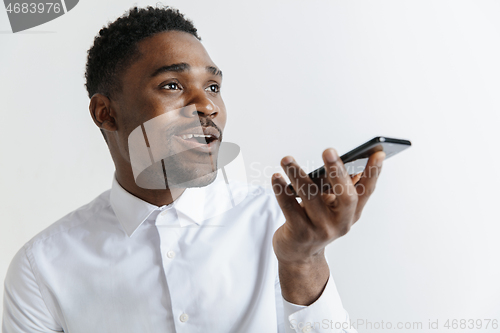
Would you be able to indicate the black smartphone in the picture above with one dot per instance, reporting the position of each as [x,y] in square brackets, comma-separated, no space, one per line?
[355,160]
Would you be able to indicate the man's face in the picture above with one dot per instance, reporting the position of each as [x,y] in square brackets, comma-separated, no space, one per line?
[173,78]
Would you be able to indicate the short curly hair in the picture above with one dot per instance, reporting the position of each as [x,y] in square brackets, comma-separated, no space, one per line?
[115,47]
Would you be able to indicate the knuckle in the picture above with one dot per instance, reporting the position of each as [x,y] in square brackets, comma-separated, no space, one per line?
[351,199]
[357,216]
[331,234]
[325,233]
[369,190]
[345,229]
[308,235]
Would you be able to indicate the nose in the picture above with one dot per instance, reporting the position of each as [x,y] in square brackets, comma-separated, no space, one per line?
[200,105]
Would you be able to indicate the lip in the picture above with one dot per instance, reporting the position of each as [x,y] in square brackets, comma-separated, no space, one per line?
[202,131]
[196,146]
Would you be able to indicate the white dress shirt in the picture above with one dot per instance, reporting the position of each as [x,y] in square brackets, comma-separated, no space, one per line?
[120,264]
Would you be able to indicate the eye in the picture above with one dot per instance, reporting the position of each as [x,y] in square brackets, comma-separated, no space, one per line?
[214,88]
[171,86]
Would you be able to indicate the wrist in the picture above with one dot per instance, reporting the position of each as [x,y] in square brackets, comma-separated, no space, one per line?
[301,263]
[303,282]
[305,267]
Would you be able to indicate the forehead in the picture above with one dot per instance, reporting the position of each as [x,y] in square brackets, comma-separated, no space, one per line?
[172,47]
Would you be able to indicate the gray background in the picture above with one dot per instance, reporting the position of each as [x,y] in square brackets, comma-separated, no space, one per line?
[35,13]
[300,77]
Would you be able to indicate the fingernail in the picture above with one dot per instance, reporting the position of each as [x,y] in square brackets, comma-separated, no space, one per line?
[382,158]
[276,176]
[331,155]
[287,160]
[380,161]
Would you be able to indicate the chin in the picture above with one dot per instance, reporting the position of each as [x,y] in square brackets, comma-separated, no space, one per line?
[162,176]
[202,181]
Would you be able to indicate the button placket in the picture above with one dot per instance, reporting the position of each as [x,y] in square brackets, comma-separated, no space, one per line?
[168,230]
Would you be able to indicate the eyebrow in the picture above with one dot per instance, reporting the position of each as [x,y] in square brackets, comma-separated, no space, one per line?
[183,67]
[214,71]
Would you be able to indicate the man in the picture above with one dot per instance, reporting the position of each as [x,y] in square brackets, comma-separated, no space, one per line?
[155,253]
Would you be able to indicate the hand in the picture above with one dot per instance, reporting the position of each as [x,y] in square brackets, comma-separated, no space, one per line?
[354,178]
[321,217]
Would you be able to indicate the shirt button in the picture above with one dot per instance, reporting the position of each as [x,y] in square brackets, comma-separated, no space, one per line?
[171,254]
[165,212]
[184,317]
[306,329]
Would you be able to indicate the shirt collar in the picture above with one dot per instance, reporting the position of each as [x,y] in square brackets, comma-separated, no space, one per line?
[132,211]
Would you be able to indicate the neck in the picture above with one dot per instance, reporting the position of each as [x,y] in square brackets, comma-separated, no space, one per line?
[156,197]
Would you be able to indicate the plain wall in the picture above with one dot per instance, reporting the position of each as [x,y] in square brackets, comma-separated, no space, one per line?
[300,77]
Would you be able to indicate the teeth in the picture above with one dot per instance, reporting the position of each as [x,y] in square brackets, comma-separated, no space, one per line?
[189,136]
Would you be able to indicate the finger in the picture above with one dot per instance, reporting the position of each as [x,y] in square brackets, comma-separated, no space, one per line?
[340,181]
[329,199]
[366,184]
[292,210]
[305,188]
[356,178]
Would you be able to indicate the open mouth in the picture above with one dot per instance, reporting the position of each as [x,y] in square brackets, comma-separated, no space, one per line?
[199,138]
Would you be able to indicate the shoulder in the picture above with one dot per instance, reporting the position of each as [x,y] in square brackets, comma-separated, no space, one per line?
[78,218]
[25,309]
[19,269]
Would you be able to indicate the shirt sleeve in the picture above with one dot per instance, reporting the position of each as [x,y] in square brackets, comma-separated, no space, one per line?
[326,314]
[24,309]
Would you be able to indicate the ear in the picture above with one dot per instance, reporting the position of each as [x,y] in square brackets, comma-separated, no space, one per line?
[101,112]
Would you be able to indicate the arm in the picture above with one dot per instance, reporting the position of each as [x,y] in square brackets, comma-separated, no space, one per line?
[303,283]
[326,314]
[24,309]
[318,220]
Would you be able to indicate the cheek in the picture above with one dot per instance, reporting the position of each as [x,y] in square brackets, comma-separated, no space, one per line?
[222,117]
[223,120]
